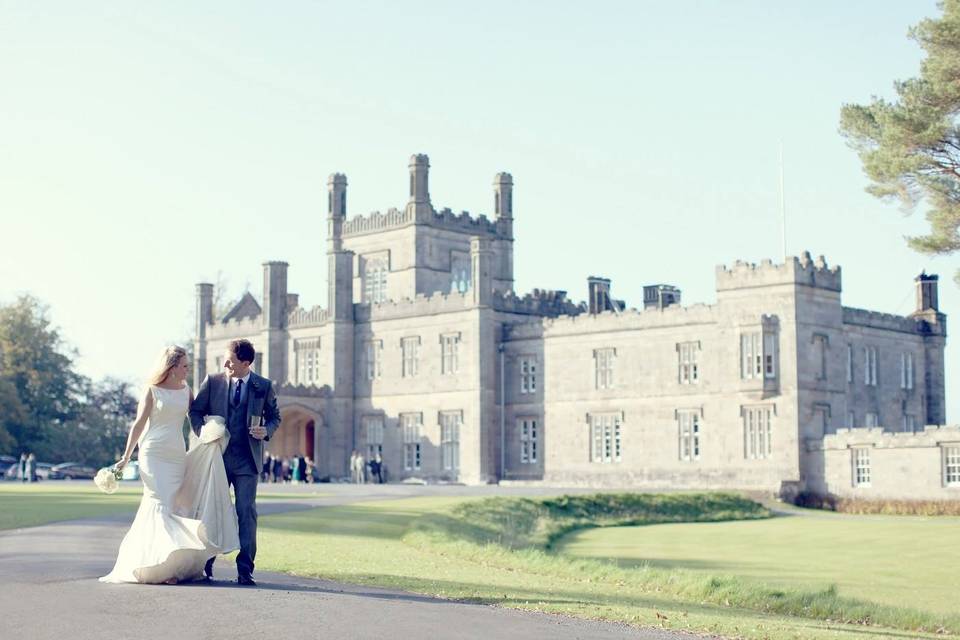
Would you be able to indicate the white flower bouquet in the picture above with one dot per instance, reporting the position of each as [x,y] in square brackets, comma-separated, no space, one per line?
[107,479]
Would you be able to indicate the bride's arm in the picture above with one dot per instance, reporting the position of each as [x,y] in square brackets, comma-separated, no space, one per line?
[136,429]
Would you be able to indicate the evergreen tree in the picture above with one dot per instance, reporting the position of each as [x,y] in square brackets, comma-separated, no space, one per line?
[910,147]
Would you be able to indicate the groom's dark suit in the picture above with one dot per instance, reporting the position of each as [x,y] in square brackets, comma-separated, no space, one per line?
[243,458]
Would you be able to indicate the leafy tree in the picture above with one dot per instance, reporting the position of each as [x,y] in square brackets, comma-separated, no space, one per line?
[37,364]
[910,147]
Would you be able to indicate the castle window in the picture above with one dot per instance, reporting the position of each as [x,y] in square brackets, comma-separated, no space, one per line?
[449,353]
[820,344]
[411,423]
[757,432]
[411,356]
[528,440]
[821,417]
[450,422]
[606,443]
[870,366]
[528,374]
[374,348]
[375,281]
[751,356]
[861,466]
[689,356]
[459,271]
[603,367]
[849,363]
[688,423]
[906,371]
[307,358]
[373,430]
[871,419]
[769,355]
[951,465]
[909,423]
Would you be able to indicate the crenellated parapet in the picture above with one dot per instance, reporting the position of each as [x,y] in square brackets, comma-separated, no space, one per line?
[421,305]
[929,436]
[301,317]
[288,390]
[877,320]
[629,319]
[464,222]
[798,271]
[238,328]
[539,303]
[377,221]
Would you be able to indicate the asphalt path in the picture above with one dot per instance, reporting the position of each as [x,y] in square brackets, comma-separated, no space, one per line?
[49,590]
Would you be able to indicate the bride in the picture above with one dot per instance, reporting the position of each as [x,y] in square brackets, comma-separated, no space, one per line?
[185,515]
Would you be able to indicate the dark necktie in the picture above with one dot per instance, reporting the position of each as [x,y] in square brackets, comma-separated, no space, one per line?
[236,393]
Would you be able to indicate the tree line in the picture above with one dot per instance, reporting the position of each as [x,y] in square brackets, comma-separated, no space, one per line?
[46,406]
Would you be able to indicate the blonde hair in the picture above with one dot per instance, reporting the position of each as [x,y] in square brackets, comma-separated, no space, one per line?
[168,360]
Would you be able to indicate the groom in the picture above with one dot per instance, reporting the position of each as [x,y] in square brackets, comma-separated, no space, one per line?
[249,405]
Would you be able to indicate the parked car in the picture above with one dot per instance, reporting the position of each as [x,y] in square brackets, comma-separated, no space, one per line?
[12,471]
[71,471]
[131,471]
[43,470]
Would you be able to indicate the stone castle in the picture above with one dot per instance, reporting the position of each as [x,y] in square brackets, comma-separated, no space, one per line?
[425,354]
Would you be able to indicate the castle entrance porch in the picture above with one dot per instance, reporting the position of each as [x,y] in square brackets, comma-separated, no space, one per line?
[297,434]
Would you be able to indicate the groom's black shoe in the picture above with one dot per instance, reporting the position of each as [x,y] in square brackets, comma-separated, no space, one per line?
[246,580]
[208,570]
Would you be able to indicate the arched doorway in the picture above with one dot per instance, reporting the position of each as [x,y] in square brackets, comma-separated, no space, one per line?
[297,434]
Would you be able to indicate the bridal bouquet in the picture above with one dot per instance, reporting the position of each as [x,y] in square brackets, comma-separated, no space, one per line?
[107,479]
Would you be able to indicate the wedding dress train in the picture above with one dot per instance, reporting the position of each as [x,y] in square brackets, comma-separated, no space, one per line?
[162,544]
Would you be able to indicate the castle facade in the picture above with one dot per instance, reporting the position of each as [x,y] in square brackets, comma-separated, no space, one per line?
[425,354]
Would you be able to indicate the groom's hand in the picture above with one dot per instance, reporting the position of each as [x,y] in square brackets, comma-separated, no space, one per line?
[258,431]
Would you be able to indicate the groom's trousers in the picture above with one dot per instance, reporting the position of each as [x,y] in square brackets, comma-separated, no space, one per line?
[245,497]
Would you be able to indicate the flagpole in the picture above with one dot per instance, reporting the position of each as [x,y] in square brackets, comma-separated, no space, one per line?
[783,211]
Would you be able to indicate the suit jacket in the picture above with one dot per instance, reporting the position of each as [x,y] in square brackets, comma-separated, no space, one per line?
[212,400]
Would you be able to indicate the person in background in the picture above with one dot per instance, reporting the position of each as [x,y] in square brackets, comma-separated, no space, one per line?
[32,467]
[22,473]
[375,466]
[302,468]
[267,468]
[295,470]
[277,469]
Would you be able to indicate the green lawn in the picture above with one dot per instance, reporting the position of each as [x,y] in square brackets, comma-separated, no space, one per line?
[371,543]
[897,560]
[376,544]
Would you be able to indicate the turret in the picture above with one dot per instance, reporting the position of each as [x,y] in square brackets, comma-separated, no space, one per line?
[503,202]
[275,294]
[419,187]
[204,318]
[336,210]
[481,271]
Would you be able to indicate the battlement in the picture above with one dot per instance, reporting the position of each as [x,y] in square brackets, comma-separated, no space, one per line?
[464,222]
[930,436]
[419,306]
[238,328]
[798,271]
[629,319]
[288,390]
[377,221]
[538,303]
[877,320]
[301,317]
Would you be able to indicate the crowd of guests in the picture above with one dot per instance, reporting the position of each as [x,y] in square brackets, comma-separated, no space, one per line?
[295,470]
[301,469]
[359,466]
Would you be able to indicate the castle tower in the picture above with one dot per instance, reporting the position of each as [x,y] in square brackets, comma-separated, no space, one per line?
[336,210]
[503,246]
[419,187]
[274,348]
[204,318]
[933,326]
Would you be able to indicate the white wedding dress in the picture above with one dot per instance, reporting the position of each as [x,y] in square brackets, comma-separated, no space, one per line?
[162,544]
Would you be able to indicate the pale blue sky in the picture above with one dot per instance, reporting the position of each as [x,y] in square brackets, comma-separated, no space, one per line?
[145,146]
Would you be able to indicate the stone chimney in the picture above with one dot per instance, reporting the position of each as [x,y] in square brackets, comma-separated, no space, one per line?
[599,294]
[204,318]
[927,292]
